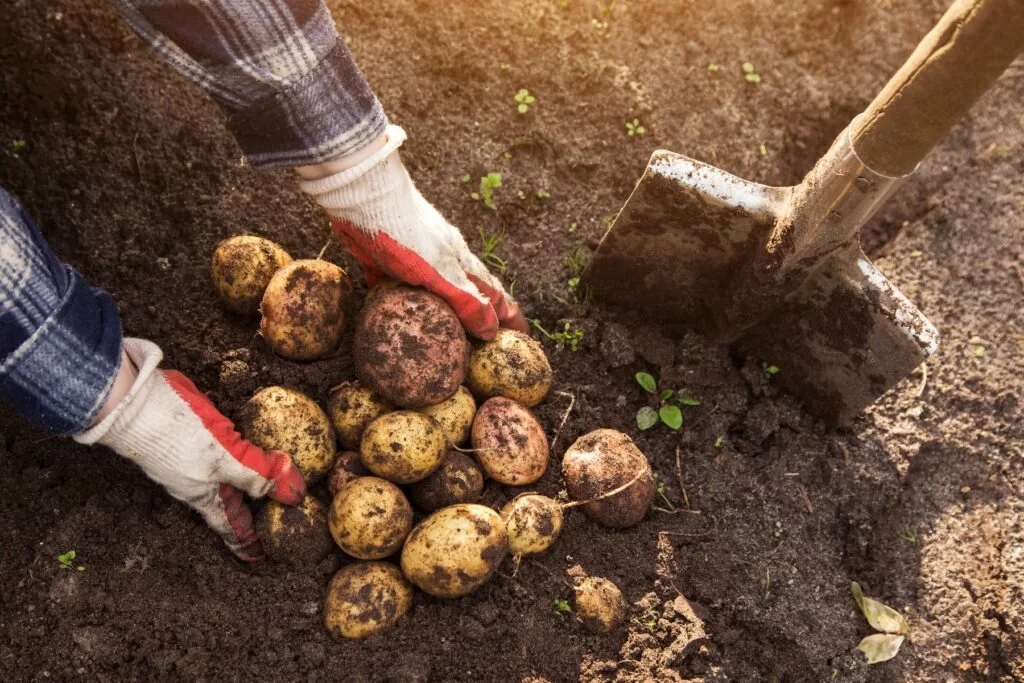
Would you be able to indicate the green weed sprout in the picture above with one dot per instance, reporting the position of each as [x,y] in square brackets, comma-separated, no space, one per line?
[569,336]
[523,100]
[749,74]
[669,402]
[488,184]
[634,127]
[490,244]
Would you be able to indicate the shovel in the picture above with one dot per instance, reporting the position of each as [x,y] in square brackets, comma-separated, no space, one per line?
[778,272]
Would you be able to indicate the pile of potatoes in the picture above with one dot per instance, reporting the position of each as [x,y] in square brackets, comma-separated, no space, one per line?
[405,448]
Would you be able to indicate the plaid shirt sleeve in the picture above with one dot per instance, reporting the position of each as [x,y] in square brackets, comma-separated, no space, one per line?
[289,86]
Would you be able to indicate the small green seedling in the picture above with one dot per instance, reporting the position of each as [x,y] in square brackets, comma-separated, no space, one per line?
[17,146]
[466,178]
[488,184]
[573,227]
[659,486]
[67,561]
[749,74]
[523,100]
[769,370]
[893,628]
[719,442]
[669,400]
[562,608]
[634,127]
[763,150]
[712,67]
[908,534]
[577,261]
[542,193]
[490,243]
[569,336]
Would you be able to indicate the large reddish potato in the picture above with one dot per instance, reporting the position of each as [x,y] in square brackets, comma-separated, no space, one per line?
[410,347]
[509,443]
[600,462]
[242,267]
[304,309]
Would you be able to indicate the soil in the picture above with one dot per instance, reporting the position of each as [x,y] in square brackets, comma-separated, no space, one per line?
[133,180]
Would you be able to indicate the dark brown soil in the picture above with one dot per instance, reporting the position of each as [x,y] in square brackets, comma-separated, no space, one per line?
[134,180]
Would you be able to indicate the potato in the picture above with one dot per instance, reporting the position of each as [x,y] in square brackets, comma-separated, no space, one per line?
[403,446]
[295,534]
[241,268]
[455,550]
[351,406]
[509,443]
[281,419]
[457,480]
[598,463]
[599,604]
[304,309]
[370,518]
[455,415]
[512,365]
[347,466]
[410,347]
[533,522]
[364,598]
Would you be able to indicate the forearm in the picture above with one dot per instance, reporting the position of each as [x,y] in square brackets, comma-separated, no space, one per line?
[290,89]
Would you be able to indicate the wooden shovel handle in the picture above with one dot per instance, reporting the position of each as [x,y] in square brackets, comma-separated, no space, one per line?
[955,63]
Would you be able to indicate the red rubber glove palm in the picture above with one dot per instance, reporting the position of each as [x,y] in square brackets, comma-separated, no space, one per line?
[387,225]
[180,440]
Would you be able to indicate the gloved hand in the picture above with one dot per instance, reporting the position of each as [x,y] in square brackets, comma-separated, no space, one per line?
[180,440]
[387,225]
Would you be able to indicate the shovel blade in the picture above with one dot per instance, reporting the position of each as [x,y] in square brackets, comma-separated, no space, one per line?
[842,340]
[675,247]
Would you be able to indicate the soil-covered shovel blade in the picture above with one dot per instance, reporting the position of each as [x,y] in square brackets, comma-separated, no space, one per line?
[675,247]
[843,339]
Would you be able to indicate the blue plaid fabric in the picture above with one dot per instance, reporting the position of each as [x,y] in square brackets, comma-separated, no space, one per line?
[60,339]
[287,83]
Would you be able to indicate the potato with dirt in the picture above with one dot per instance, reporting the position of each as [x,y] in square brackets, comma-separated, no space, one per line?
[294,534]
[347,466]
[533,523]
[599,604]
[282,419]
[410,347]
[403,446]
[304,309]
[241,269]
[600,462]
[513,365]
[509,442]
[455,415]
[351,406]
[364,598]
[458,480]
[455,550]
[370,518]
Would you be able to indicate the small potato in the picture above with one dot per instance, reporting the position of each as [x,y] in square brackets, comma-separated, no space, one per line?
[455,415]
[599,604]
[598,463]
[509,442]
[455,550]
[403,446]
[241,269]
[351,406]
[533,522]
[347,466]
[304,309]
[370,518]
[457,480]
[294,534]
[364,598]
[281,419]
[410,347]
[512,365]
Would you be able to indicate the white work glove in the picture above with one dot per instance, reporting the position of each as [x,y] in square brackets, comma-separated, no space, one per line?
[180,440]
[387,225]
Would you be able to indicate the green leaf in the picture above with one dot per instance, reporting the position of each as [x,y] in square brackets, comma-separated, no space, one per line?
[748,68]
[880,647]
[881,617]
[719,441]
[647,382]
[667,394]
[523,108]
[465,178]
[66,559]
[671,416]
[646,418]
[687,401]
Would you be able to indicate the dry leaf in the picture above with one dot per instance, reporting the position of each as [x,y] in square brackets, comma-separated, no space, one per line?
[881,617]
[880,647]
